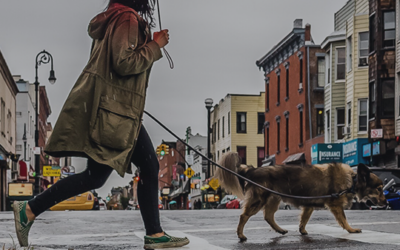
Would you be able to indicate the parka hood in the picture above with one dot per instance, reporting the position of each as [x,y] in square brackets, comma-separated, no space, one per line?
[98,25]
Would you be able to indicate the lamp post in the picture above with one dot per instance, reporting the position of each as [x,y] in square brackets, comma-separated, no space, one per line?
[209,103]
[43,57]
[24,140]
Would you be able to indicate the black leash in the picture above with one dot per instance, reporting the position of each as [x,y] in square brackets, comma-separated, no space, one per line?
[171,63]
[336,195]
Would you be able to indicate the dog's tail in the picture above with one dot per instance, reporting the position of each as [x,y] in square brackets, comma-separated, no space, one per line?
[228,181]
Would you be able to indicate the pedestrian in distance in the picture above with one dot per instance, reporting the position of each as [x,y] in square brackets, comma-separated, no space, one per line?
[102,118]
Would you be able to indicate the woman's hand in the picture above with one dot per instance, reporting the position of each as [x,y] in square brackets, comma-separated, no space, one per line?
[161,38]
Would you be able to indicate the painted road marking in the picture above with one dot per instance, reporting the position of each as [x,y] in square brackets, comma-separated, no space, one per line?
[196,243]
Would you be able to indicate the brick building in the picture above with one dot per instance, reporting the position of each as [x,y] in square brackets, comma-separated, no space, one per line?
[294,97]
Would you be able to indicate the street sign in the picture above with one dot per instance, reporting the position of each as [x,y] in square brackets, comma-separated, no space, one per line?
[377,133]
[54,171]
[108,198]
[189,172]
[36,150]
[214,183]
[189,159]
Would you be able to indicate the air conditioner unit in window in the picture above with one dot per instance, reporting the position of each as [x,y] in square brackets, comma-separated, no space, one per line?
[363,61]
[346,130]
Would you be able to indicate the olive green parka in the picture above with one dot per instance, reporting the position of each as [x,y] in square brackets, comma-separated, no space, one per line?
[102,115]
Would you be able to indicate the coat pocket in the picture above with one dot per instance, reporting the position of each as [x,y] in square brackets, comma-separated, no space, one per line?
[115,126]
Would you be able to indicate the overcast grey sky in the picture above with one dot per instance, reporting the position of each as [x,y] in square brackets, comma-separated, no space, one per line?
[214,45]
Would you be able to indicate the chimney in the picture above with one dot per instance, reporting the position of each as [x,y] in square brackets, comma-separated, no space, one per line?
[298,24]
[307,37]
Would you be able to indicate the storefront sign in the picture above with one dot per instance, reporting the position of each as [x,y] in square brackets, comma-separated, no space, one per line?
[352,152]
[54,171]
[367,150]
[326,153]
[376,148]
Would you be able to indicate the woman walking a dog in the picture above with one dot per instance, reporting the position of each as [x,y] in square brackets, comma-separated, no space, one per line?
[102,118]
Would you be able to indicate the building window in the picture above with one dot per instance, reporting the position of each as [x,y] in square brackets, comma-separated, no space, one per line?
[9,126]
[300,107]
[340,64]
[267,94]
[389,26]
[242,153]
[18,147]
[349,114]
[267,129]
[328,67]
[223,127]
[321,72]
[372,33]
[328,126]
[286,113]
[362,115]
[320,122]
[260,156]
[241,122]
[349,50]
[372,99]
[3,117]
[287,80]
[278,133]
[340,123]
[278,88]
[218,128]
[363,49]
[301,70]
[229,123]
[261,121]
[215,132]
[388,98]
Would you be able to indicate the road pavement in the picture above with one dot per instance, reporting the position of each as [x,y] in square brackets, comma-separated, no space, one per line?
[207,230]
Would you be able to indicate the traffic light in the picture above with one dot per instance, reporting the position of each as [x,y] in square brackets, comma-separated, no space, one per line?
[158,150]
[166,149]
[162,153]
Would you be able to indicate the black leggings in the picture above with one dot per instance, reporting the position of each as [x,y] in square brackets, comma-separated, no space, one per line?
[96,175]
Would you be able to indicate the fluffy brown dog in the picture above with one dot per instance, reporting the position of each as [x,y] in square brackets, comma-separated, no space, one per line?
[316,180]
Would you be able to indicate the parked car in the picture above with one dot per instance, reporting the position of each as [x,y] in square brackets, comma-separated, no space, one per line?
[233,204]
[102,205]
[225,200]
[83,201]
[96,204]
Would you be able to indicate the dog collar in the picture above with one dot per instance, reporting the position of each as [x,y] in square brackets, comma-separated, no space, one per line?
[353,187]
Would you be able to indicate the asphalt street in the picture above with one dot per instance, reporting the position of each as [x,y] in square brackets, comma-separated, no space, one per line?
[207,230]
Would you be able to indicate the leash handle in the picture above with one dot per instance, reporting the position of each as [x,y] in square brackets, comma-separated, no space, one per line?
[171,62]
[242,177]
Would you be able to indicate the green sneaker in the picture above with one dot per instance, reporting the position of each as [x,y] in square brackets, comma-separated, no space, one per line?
[165,241]
[22,226]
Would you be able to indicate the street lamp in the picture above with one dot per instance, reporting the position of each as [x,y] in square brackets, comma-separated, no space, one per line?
[43,57]
[24,140]
[209,104]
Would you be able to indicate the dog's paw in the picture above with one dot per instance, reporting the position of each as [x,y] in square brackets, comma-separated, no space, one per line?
[283,231]
[303,232]
[242,238]
[354,231]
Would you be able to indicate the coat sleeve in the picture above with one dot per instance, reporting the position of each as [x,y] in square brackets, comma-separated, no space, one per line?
[126,58]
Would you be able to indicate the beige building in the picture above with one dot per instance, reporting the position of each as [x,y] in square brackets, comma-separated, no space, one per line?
[237,125]
[8,166]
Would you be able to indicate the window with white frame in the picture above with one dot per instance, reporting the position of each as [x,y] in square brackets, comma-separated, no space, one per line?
[328,67]
[340,123]
[362,115]
[340,64]
[349,50]
[363,49]
[321,72]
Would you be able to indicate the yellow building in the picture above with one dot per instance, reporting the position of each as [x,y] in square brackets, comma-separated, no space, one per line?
[237,125]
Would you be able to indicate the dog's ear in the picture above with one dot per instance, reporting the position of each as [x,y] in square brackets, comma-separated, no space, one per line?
[363,173]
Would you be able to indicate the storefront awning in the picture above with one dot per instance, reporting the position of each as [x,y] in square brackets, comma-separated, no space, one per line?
[294,158]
